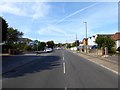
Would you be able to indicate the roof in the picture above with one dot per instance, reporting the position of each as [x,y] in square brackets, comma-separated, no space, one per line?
[25,39]
[80,42]
[105,34]
[85,38]
[116,36]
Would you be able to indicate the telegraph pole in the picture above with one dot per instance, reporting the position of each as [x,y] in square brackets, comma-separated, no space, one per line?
[86,34]
[76,40]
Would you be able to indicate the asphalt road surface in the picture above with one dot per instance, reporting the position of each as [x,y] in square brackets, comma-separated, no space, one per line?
[60,69]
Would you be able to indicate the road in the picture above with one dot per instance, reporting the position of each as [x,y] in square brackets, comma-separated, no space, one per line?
[60,69]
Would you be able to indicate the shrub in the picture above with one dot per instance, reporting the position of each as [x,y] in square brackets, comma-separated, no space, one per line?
[112,50]
[27,48]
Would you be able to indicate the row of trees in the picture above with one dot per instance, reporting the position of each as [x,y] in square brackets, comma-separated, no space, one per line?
[74,44]
[39,46]
[10,36]
[11,40]
[42,45]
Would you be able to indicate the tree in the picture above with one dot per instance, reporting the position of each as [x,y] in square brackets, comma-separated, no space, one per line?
[13,35]
[105,41]
[35,46]
[77,42]
[59,45]
[100,41]
[36,42]
[50,44]
[41,45]
[68,45]
[4,29]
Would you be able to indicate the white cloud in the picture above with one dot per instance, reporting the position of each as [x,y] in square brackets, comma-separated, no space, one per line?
[34,10]
[40,10]
[6,7]
[53,31]
[26,30]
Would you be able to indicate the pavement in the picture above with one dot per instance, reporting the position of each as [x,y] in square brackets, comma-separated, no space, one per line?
[60,69]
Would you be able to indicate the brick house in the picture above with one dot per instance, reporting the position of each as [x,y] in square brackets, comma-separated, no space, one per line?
[116,37]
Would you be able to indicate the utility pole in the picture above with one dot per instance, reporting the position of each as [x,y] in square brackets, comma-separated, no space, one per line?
[76,40]
[86,34]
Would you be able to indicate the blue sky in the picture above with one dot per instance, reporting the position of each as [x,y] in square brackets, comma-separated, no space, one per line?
[61,21]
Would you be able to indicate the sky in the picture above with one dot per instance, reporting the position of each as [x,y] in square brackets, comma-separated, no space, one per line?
[61,21]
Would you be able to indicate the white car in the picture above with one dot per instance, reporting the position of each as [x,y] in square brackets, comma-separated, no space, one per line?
[49,50]
[58,48]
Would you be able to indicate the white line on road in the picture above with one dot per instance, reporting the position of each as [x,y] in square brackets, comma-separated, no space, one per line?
[64,67]
[63,58]
[104,67]
[65,88]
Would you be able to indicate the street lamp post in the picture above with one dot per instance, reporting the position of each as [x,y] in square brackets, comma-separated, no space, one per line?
[76,41]
[86,34]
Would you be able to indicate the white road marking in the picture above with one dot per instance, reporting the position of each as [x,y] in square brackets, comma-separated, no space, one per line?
[65,88]
[104,67]
[63,58]
[64,67]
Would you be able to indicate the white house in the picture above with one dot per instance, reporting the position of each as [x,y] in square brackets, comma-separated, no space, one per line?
[91,40]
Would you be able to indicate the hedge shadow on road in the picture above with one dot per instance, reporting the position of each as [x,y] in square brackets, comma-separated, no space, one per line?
[37,65]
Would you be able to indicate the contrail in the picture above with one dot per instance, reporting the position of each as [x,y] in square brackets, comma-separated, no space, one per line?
[76,12]
[59,21]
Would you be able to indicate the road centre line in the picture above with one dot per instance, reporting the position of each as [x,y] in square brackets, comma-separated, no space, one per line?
[64,67]
[65,88]
[63,58]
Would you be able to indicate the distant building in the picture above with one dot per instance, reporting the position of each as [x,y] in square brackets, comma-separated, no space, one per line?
[25,40]
[80,43]
[116,37]
[85,41]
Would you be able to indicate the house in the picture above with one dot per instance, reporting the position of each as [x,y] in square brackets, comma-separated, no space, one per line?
[85,41]
[116,38]
[25,40]
[91,40]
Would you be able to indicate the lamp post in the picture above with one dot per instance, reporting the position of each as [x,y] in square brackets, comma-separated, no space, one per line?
[86,34]
[76,41]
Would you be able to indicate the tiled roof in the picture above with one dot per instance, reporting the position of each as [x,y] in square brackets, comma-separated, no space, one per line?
[116,36]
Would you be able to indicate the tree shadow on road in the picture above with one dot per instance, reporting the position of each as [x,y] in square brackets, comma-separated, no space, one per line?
[37,65]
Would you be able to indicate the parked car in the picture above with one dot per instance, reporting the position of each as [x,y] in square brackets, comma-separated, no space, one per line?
[118,49]
[48,49]
[58,48]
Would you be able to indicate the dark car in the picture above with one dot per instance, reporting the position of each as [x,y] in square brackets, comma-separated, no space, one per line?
[118,49]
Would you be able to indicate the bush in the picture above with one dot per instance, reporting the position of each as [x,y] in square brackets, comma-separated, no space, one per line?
[27,48]
[112,50]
